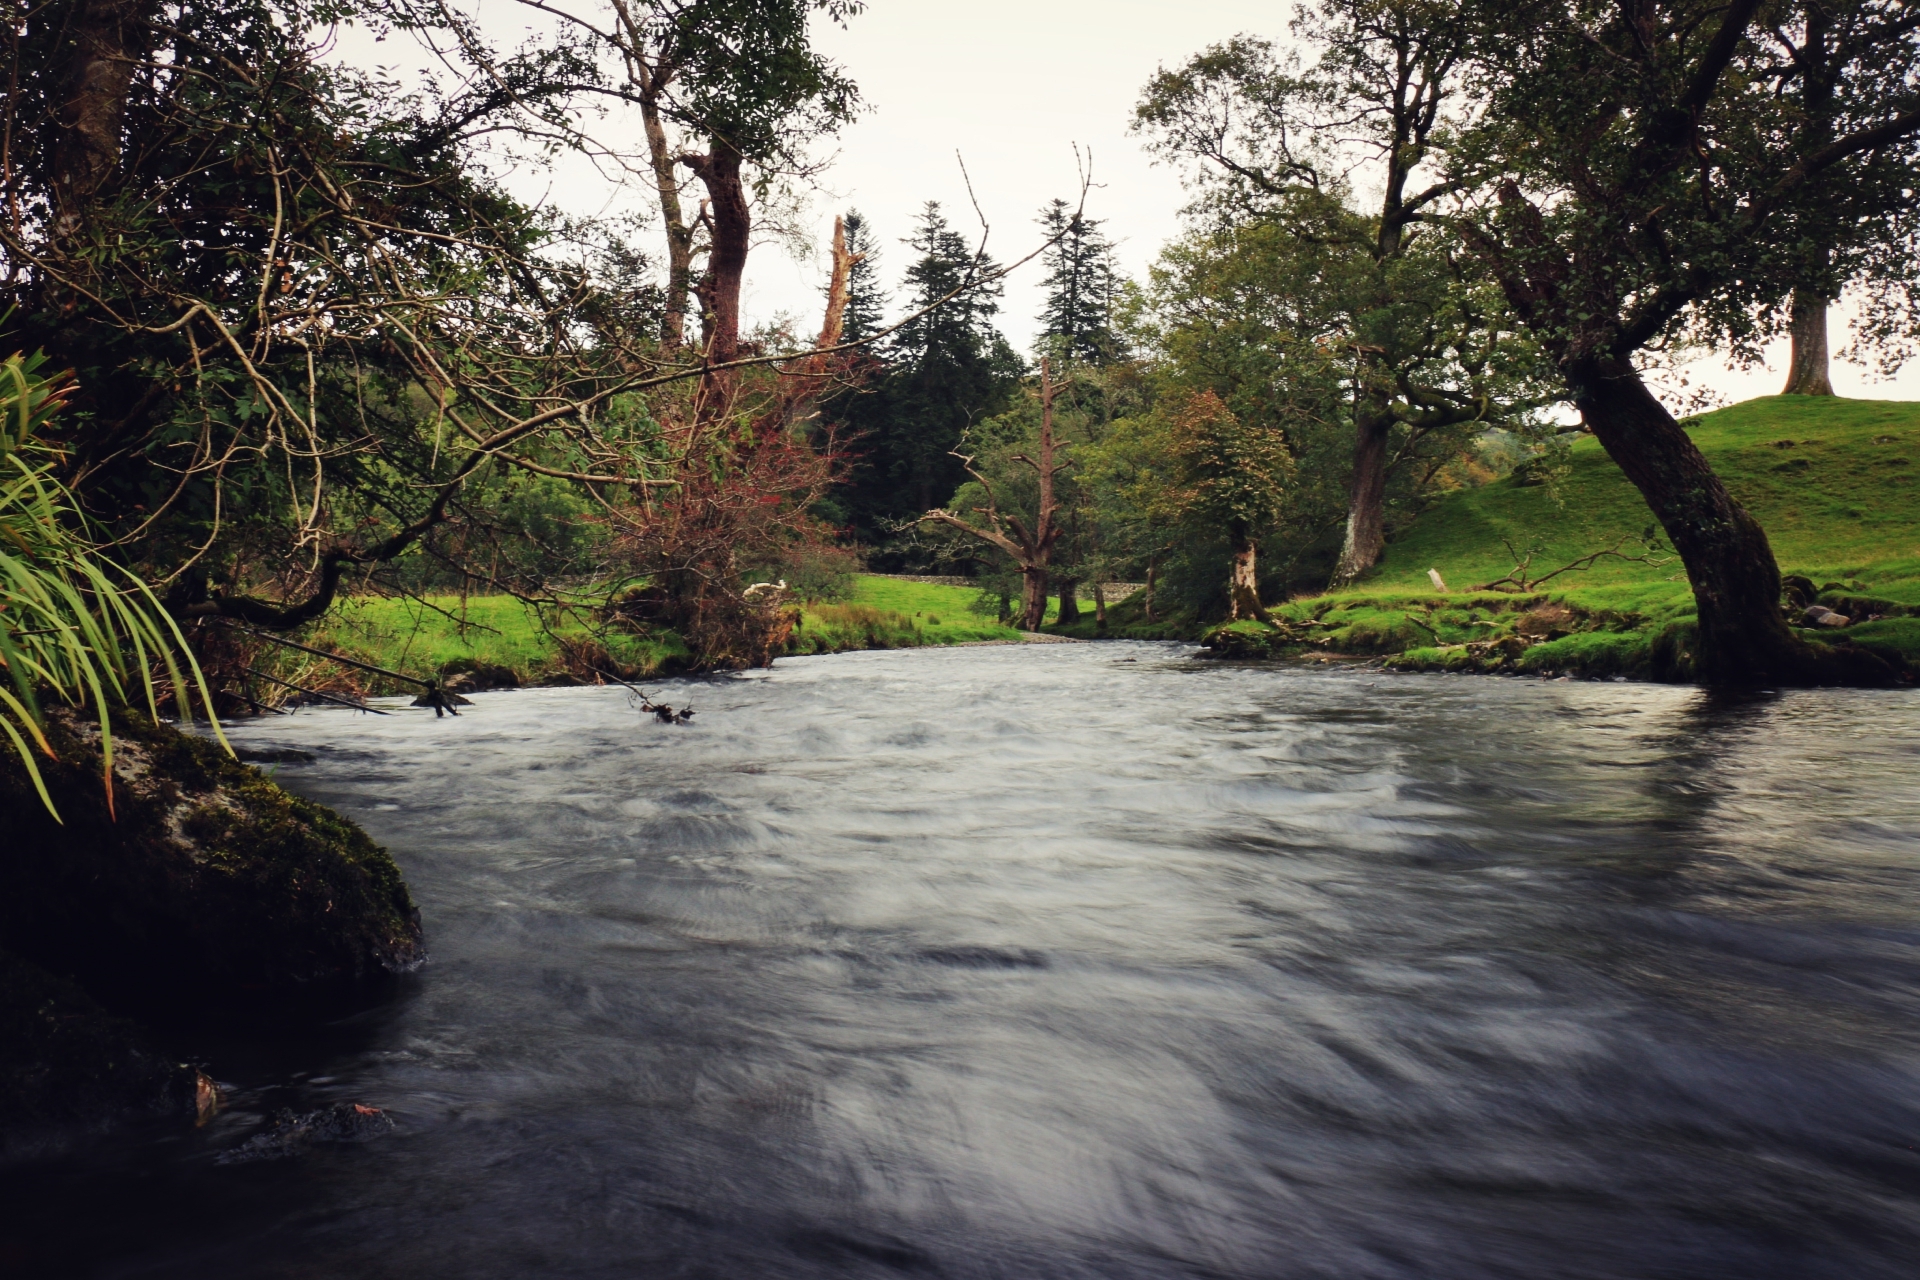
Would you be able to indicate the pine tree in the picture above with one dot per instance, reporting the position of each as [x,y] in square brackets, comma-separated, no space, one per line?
[944,264]
[866,300]
[943,371]
[1076,323]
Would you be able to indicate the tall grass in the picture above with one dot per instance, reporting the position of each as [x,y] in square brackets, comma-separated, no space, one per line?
[74,626]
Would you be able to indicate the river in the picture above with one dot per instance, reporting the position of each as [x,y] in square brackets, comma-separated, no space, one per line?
[1093,961]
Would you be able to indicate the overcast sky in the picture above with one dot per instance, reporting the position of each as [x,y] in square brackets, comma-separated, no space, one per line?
[1012,86]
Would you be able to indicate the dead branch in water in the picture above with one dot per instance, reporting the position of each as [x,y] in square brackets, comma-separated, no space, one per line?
[311,693]
[637,698]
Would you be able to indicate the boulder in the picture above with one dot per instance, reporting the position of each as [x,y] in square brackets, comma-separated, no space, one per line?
[201,885]
[69,1067]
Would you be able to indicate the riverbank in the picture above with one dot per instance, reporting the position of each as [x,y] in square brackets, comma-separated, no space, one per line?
[1551,571]
[499,640]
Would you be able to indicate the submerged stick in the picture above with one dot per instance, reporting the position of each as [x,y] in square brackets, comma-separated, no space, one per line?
[313,693]
[346,661]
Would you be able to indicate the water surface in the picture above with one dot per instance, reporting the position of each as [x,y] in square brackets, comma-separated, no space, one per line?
[1092,961]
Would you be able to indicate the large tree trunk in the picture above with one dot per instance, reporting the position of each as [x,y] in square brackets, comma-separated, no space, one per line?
[719,288]
[673,320]
[1366,500]
[1744,638]
[1033,596]
[1069,601]
[109,38]
[1242,582]
[1807,367]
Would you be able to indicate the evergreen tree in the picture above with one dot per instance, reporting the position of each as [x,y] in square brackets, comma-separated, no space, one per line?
[1076,322]
[944,371]
[866,300]
[944,264]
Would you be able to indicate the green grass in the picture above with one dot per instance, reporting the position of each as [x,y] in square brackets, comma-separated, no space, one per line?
[887,613]
[1840,500]
[420,639]
[417,638]
[1831,480]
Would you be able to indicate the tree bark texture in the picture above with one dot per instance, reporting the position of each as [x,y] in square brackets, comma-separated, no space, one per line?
[1366,500]
[719,287]
[1807,367]
[1099,606]
[1744,638]
[1033,596]
[109,39]
[673,321]
[1242,583]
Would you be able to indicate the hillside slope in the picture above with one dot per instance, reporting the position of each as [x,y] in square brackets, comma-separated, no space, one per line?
[1832,481]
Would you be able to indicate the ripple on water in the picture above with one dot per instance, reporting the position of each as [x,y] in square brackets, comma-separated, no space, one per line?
[1010,962]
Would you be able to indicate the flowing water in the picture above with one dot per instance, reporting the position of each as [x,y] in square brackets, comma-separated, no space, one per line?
[1092,961]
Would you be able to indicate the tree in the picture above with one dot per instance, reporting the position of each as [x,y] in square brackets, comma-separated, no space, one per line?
[1637,177]
[944,370]
[1028,540]
[314,336]
[866,298]
[1292,148]
[302,320]
[1076,321]
[752,89]
[1235,476]
[1818,52]
[1238,313]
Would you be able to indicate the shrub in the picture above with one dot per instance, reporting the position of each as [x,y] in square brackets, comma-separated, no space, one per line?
[73,624]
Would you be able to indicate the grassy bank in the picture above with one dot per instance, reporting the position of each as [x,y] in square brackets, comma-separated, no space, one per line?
[442,636]
[890,613]
[1831,480]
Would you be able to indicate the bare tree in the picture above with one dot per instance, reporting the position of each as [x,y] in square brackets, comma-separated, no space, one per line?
[1029,545]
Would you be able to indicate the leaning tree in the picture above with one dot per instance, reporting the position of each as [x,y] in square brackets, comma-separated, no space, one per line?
[1642,172]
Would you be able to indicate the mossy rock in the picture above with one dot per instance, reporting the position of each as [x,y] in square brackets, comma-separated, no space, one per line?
[204,885]
[1250,641]
[68,1067]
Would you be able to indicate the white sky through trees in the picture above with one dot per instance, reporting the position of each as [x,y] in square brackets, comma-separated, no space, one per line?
[1012,86]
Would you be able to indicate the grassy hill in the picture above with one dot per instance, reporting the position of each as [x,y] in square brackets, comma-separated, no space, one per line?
[1832,481]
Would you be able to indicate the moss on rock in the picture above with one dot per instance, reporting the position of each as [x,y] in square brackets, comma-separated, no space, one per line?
[205,883]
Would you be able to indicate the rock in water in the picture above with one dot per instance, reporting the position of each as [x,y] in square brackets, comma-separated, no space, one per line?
[289,1134]
[205,885]
[69,1067]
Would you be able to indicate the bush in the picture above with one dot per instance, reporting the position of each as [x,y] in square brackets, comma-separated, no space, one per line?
[73,624]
